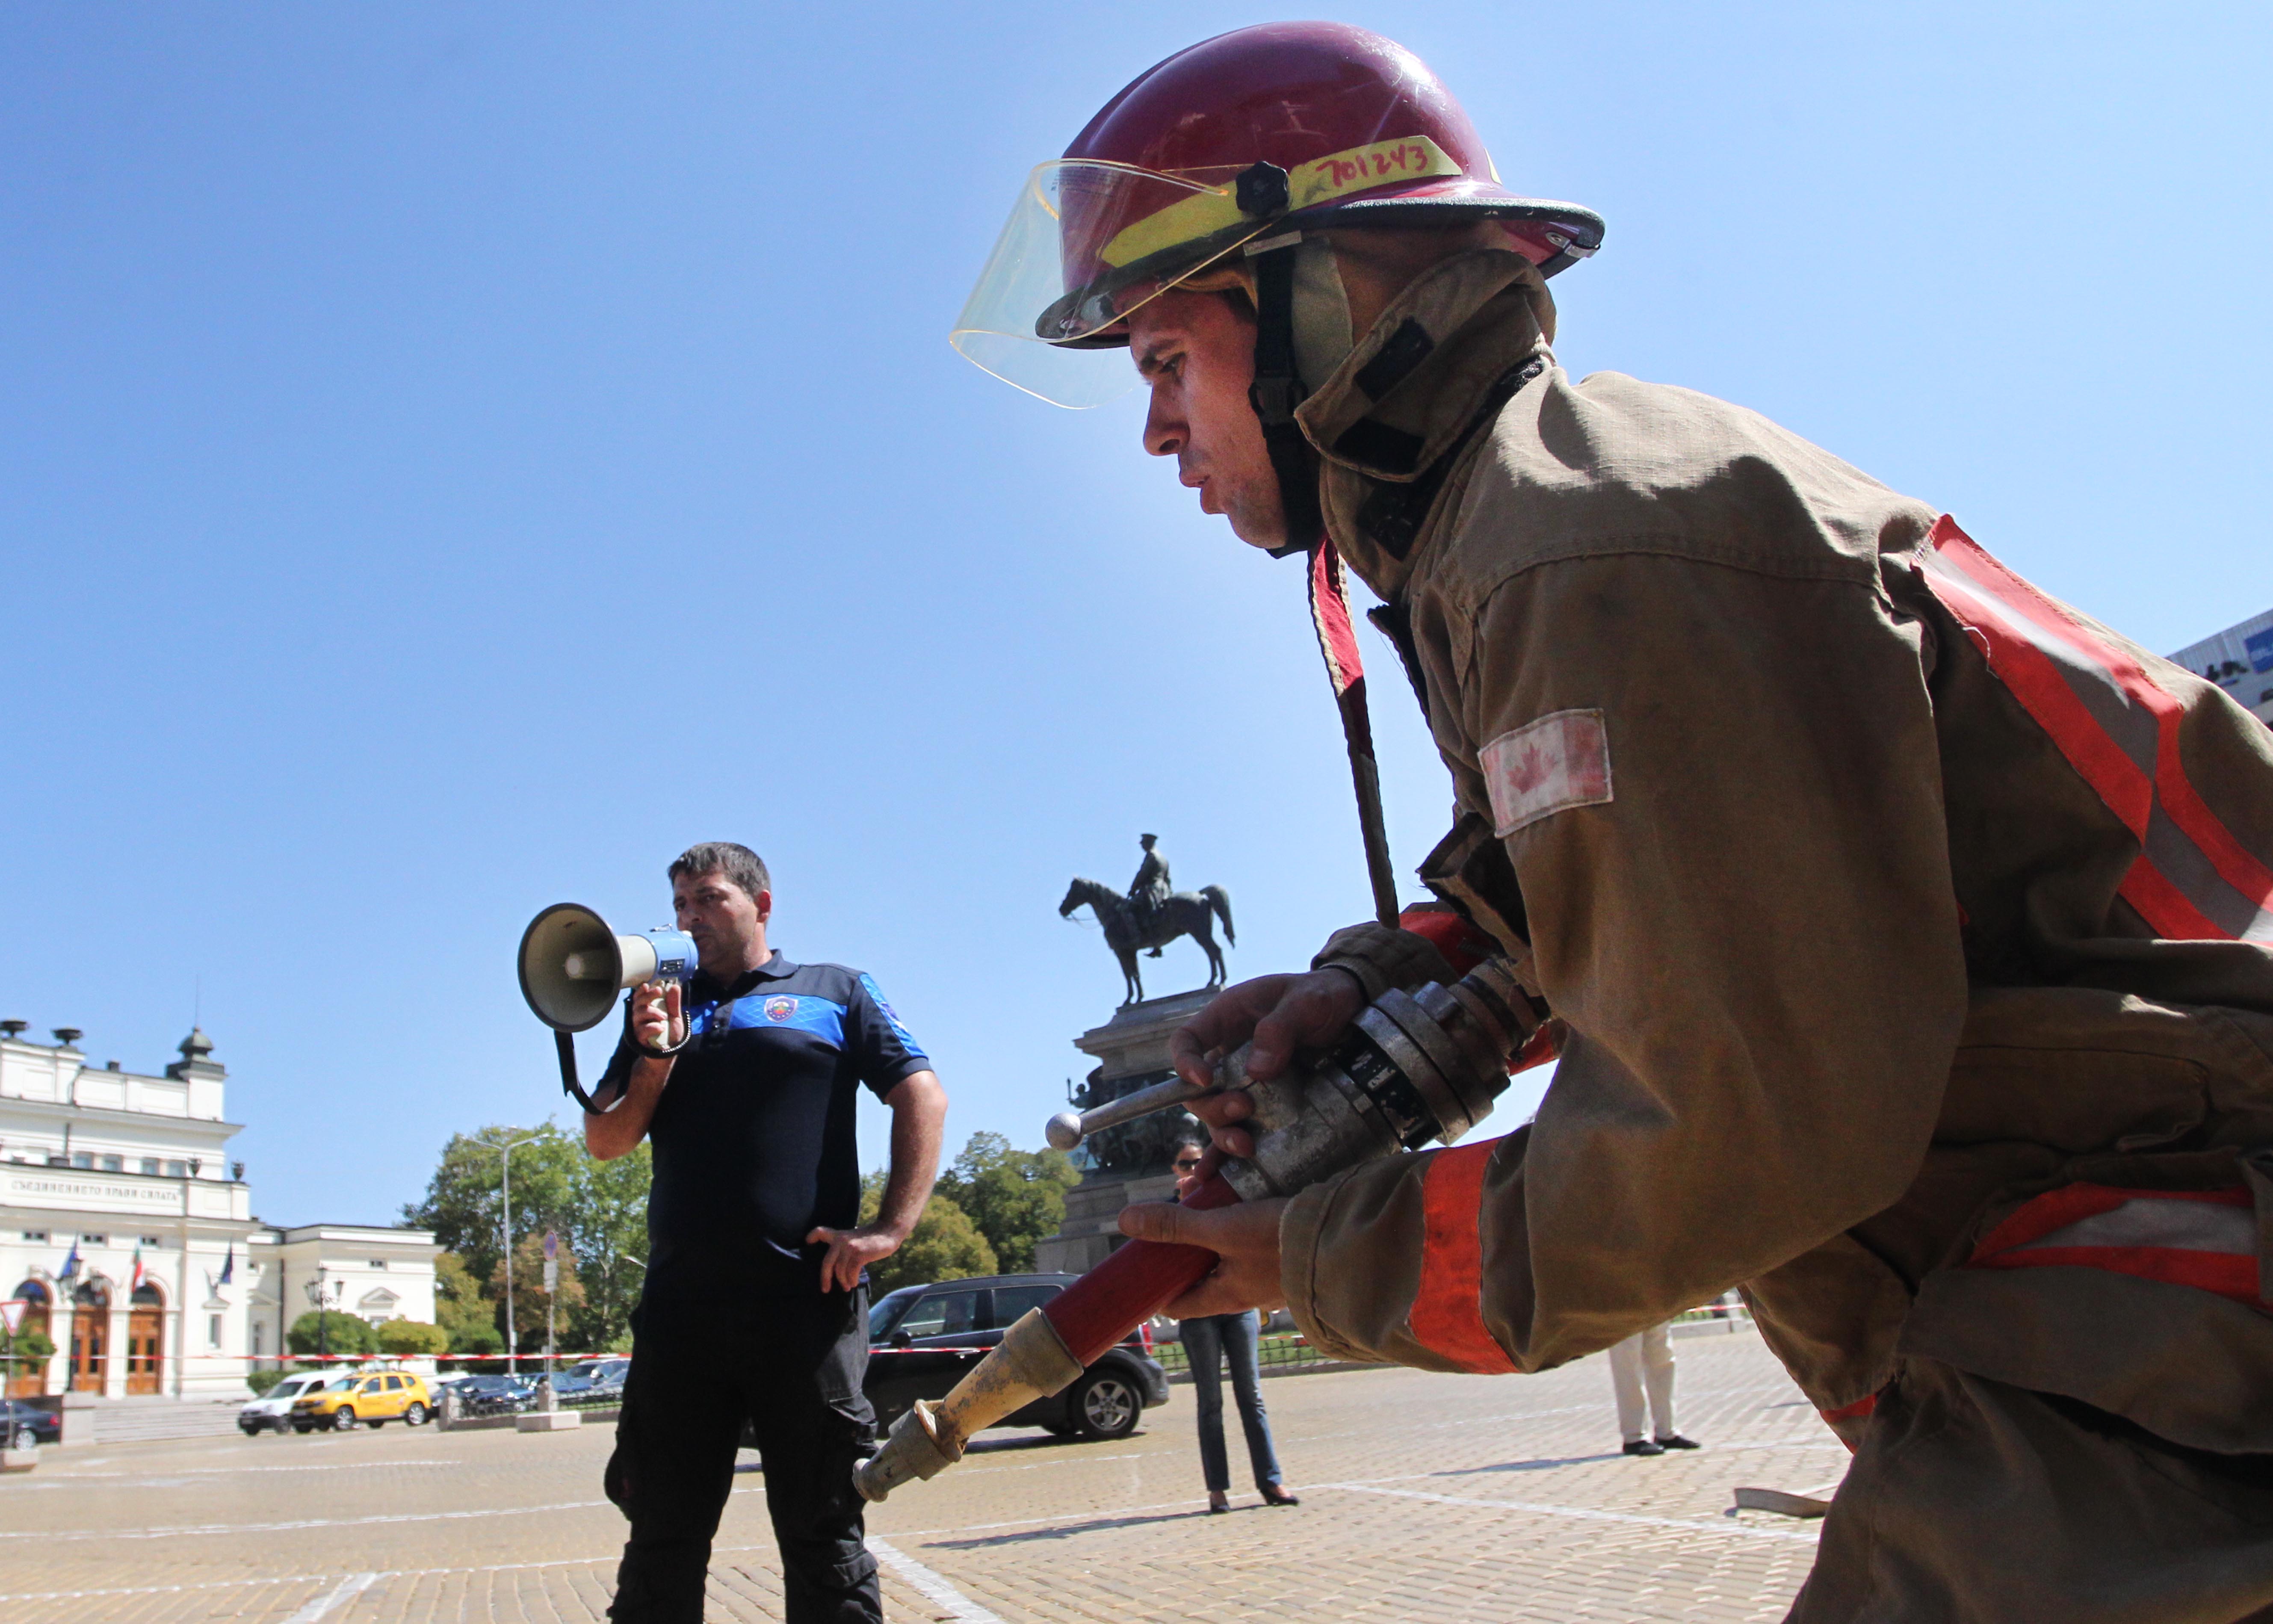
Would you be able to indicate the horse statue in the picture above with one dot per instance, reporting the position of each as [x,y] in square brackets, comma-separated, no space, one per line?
[1185,913]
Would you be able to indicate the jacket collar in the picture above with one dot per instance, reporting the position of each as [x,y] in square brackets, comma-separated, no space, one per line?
[1409,393]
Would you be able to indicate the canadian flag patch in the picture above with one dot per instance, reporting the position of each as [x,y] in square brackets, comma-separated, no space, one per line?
[1536,770]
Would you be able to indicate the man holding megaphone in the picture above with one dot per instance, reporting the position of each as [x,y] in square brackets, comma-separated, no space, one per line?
[745,1076]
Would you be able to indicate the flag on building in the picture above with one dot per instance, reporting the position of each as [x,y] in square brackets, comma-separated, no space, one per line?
[228,1265]
[71,1264]
[138,1267]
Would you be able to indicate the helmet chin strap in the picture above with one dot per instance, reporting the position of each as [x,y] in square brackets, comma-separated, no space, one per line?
[1277,390]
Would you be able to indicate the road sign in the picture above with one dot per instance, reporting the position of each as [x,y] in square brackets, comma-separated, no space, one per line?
[12,1313]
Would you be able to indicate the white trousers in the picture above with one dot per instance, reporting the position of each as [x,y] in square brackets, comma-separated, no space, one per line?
[1645,1359]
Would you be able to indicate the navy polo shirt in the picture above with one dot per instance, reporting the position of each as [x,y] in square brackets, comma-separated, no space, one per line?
[753,1133]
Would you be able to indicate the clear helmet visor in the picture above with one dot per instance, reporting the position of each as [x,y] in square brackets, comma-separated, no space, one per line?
[1087,243]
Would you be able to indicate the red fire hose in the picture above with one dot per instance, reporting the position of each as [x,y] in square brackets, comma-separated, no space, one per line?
[1132,1285]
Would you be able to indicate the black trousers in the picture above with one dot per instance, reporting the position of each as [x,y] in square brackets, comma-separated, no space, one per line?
[792,1366]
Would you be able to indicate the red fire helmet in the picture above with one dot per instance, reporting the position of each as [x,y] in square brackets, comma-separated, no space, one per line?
[1281,128]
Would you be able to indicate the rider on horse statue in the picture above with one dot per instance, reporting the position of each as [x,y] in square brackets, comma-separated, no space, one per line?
[1149,892]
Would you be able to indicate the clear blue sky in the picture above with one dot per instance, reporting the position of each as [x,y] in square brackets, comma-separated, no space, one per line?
[453,457]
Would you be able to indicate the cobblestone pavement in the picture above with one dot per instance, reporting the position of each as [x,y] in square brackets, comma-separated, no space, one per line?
[1424,1497]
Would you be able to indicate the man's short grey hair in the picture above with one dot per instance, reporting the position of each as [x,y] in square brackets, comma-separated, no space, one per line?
[745,867]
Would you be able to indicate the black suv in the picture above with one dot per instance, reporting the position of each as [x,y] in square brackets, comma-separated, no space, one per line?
[924,1338]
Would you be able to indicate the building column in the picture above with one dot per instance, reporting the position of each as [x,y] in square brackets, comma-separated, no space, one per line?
[58,1333]
[114,1348]
[61,1314]
[179,1373]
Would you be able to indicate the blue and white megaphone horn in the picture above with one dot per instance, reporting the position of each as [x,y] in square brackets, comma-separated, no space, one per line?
[573,966]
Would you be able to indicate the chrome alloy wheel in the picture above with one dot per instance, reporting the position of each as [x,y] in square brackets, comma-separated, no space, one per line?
[1109,1407]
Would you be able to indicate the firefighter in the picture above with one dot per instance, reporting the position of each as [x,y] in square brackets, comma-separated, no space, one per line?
[1909,927]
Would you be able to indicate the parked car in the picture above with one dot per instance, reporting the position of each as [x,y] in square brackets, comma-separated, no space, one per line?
[924,1338]
[23,1424]
[346,1402]
[493,1395]
[603,1376]
[272,1412]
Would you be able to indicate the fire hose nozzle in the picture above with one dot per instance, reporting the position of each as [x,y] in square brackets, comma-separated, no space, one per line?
[913,1450]
[1032,1362]
[1068,1128]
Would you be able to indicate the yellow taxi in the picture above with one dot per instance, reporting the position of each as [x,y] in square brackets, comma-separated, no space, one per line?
[366,1399]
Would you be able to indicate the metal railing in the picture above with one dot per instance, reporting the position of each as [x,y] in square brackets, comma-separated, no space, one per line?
[1273,1350]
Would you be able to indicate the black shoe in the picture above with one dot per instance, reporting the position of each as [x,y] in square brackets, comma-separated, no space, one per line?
[1277,1496]
[1642,1445]
[1678,1442]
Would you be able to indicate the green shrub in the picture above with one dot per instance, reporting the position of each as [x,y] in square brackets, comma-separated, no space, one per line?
[261,1381]
[330,1331]
[28,1350]
[410,1339]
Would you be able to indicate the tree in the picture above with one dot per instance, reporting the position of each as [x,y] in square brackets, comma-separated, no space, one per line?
[529,1296]
[328,1329]
[945,1244]
[28,1353]
[1016,1197]
[412,1339]
[598,1207]
[465,1315]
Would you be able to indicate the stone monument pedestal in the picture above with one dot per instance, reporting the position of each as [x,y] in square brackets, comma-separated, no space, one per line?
[1132,1051]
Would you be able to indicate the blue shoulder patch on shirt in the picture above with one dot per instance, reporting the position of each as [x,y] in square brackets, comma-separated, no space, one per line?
[891,1016]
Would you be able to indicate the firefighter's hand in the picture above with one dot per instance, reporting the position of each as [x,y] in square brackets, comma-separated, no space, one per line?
[850,1251]
[1282,1013]
[656,1023]
[1245,1241]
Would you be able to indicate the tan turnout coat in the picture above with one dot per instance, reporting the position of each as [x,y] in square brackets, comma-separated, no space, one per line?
[1883,897]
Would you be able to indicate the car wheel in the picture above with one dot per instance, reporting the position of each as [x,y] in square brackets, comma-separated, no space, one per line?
[343,1419]
[303,1426]
[415,1416]
[25,1438]
[251,1429]
[1105,1405]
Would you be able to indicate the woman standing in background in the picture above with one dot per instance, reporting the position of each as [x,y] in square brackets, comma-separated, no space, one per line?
[1207,1341]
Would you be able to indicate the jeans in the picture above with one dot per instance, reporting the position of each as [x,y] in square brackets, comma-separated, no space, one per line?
[795,1374]
[1207,1341]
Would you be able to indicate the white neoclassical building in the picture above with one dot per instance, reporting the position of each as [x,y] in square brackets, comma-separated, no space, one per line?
[127,1232]
[2239,660]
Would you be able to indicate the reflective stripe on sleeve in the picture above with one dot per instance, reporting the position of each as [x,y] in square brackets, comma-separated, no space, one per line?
[2204,1238]
[1447,1315]
[1462,945]
[2193,879]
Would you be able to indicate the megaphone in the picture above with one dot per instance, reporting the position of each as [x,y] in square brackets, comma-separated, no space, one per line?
[572,965]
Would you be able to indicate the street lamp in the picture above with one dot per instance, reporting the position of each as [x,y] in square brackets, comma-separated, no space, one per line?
[317,1290]
[505,1194]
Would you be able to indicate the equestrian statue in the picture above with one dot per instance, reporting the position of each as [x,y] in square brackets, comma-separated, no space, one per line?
[1149,916]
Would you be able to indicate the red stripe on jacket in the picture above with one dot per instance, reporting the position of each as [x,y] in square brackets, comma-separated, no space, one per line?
[1448,1316]
[2164,1235]
[2032,645]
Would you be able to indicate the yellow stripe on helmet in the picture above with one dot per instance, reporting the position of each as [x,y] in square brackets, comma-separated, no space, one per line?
[1321,180]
